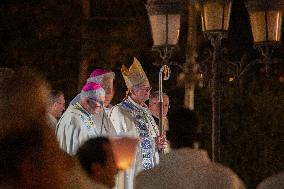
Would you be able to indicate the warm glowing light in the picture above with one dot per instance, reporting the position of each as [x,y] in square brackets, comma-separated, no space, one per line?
[277,25]
[164,17]
[231,79]
[124,149]
[281,79]
[165,29]
[215,15]
[266,21]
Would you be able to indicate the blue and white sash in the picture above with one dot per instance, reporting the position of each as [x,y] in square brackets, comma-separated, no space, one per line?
[141,122]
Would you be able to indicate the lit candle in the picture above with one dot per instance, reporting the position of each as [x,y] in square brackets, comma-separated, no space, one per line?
[124,150]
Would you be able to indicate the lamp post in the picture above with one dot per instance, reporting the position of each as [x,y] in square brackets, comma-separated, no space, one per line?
[215,17]
[266,23]
[164,16]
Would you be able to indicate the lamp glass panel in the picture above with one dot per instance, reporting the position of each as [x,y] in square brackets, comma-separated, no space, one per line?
[258,27]
[227,14]
[173,28]
[158,26]
[202,21]
[213,16]
[274,23]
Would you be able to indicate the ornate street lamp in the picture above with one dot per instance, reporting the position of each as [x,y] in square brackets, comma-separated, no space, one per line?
[266,21]
[215,17]
[266,25]
[164,16]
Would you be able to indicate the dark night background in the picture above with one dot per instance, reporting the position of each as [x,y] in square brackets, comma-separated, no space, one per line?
[54,36]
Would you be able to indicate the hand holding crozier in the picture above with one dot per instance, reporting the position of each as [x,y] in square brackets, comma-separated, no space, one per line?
[162,143]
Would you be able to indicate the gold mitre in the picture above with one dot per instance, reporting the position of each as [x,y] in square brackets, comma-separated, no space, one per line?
[134,75]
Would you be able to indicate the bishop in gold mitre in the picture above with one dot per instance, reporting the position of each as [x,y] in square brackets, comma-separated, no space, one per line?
[132,118]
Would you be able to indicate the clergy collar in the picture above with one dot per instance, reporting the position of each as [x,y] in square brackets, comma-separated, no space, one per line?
[82,109]
[137,105]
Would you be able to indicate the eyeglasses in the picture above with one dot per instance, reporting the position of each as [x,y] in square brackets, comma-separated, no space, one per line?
[147,89]
[95,100]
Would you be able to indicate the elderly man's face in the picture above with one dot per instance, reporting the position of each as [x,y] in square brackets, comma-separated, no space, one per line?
[142,92]
[95,104]
[107,85]
[155,107]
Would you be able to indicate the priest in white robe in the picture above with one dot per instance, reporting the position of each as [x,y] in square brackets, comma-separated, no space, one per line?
[132,117]
[83,120]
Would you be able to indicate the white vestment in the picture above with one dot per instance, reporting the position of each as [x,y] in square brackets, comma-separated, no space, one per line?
[77,125]
[131,119]
[188,168]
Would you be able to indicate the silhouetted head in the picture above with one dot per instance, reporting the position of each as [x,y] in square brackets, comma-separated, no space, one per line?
[97,159]
[29,153]
[183,128]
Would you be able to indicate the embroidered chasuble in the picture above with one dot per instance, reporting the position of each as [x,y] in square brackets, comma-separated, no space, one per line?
[131,119]
[77,125]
